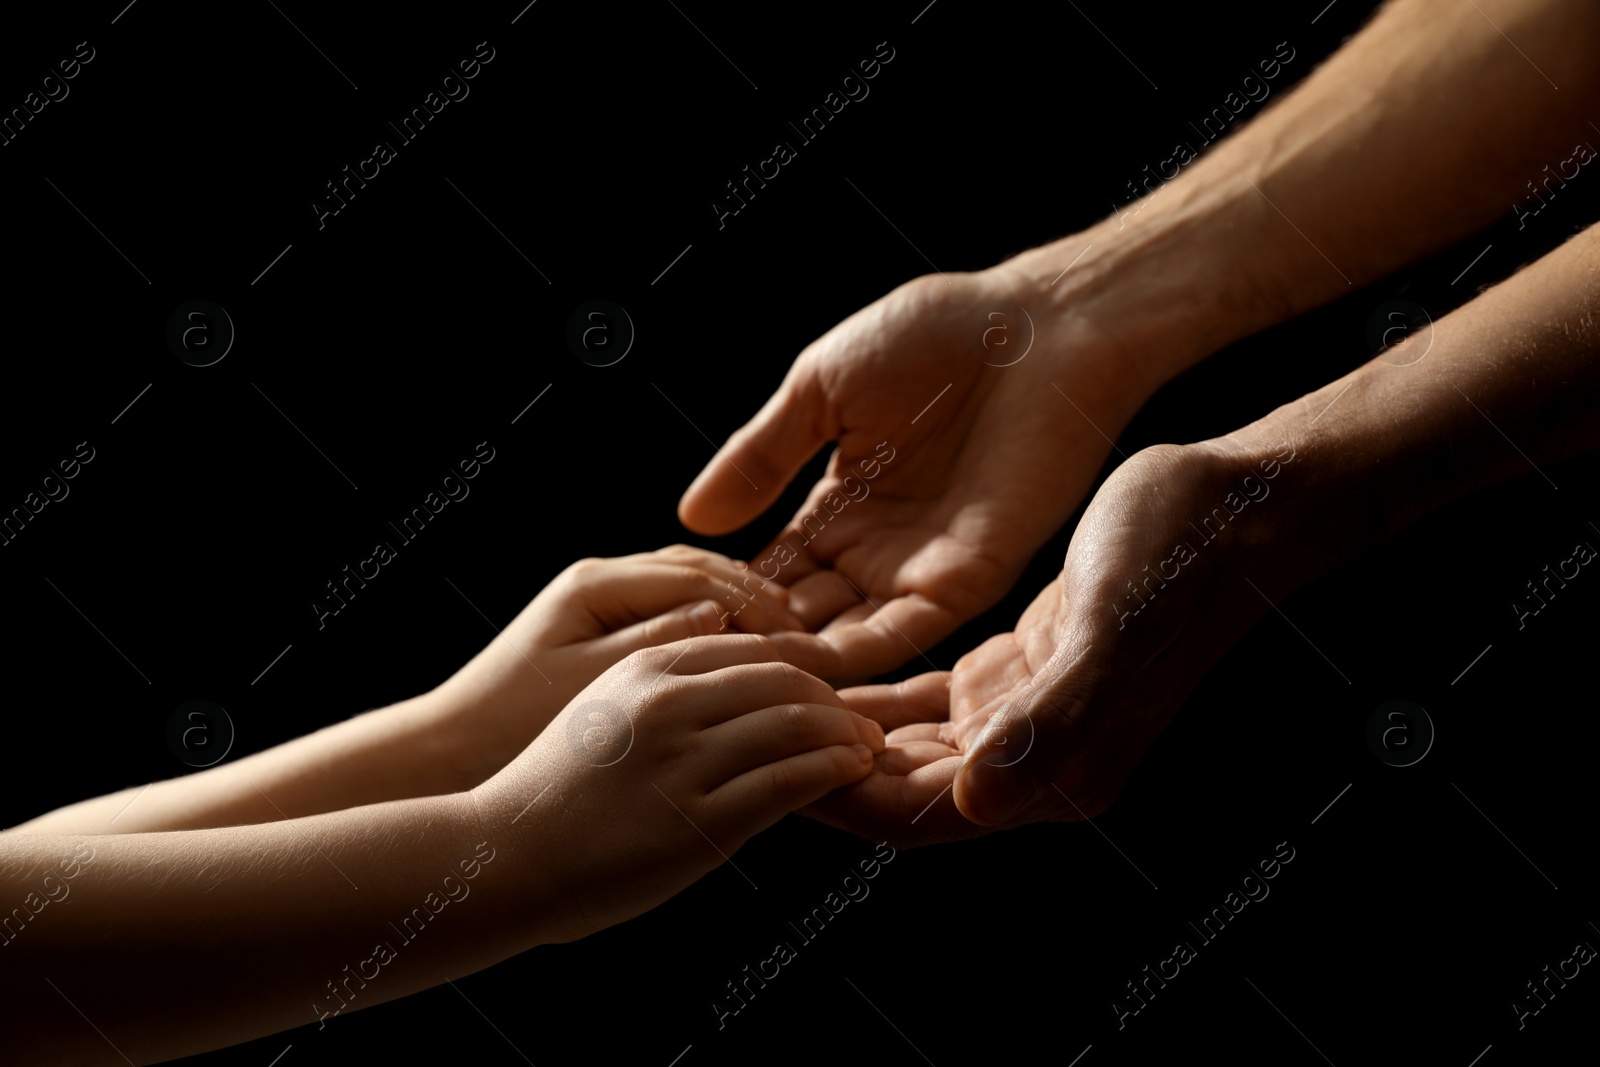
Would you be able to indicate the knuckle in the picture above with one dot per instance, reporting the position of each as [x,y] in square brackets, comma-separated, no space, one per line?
[652,660]
[796,684]
[798,721]
[761,650]
[689,574]
[783,780]
[1065,707]
[926,290]
[584,570]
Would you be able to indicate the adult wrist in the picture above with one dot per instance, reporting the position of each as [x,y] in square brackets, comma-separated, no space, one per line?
[1346,482]
[1161,290]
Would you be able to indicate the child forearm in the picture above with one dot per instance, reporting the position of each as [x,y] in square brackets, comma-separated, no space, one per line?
[287,922]
[411,749]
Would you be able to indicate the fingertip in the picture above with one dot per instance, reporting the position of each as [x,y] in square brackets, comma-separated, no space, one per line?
[871,731]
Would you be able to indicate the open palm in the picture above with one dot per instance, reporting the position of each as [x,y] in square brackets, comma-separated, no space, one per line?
[968,428]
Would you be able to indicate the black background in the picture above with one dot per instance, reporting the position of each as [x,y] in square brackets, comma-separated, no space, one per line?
[407,330]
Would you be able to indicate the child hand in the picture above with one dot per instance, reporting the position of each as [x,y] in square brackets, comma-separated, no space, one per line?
[589,617]
[659,770]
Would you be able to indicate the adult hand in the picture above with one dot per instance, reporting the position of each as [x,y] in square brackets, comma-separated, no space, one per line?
[984,475]
[971,411]
[1184,547]
[1046,722]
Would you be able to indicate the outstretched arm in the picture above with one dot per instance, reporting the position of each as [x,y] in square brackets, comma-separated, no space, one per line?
[454,737]
[145,947]
[1426,126]
[1186,546]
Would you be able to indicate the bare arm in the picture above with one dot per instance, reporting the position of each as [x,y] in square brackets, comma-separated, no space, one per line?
[149,946]
[459,734]
[277,918]
[1507,386]
[416,748]
[1424,127]
[1427,126]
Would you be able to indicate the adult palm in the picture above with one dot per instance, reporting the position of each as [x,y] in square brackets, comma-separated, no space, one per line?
[970,415]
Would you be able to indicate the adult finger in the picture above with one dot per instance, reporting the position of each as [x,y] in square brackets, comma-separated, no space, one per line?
[882,639]
[904,810]
[750,472]
[1028,743]
[922,699]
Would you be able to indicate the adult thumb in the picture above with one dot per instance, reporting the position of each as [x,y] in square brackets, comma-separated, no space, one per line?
[1028,743]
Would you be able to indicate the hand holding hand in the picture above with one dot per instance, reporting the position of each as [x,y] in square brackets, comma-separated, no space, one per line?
[663,767]
[1046,722]
[588,618]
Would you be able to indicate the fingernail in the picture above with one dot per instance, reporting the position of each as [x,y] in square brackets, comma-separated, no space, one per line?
[872,729]
[993,792]
[863,753]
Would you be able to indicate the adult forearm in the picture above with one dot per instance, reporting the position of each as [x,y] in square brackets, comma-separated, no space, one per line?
[1506,386]
[1428,125]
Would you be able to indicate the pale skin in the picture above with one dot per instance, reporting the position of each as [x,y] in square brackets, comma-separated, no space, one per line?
[1425,127]
[502,805]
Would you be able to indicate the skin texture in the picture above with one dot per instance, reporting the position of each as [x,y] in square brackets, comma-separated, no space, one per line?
[1306,202]
[660,761]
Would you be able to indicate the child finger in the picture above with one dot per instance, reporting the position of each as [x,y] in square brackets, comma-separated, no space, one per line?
[723,566]
[703,655]
[699,619]
[768,735]
[727,693]
[637,590]
[761,796]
